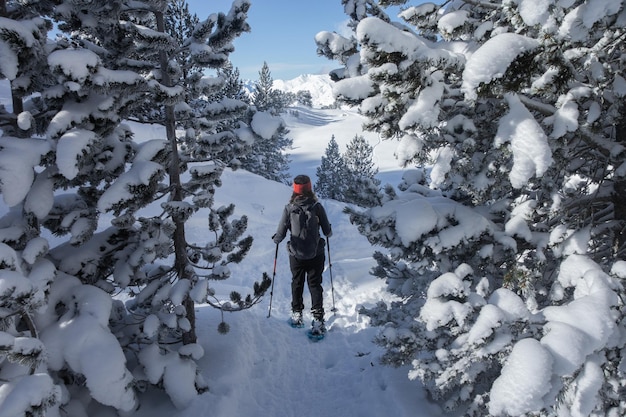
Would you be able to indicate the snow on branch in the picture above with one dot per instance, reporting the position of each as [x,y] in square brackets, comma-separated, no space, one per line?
[437,223]
[82,340]
[266,125]
[334,46]
[71,146]
[141,176]
[76,64]
[28,394]
[18,159]
[531,153]
[13,32]
[492,59]
[575,332]
[378,36]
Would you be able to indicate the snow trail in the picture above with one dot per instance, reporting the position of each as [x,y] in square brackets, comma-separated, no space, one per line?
[265,368]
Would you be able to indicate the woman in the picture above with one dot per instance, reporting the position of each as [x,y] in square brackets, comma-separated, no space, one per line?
[303,216]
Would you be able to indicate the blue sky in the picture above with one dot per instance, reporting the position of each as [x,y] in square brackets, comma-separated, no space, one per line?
[282,34]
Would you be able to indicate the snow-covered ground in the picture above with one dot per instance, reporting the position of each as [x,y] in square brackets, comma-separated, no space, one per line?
[263,367]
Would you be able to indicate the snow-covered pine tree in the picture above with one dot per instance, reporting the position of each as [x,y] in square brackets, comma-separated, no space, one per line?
[233,86]
[517,107]
[210,144]
[362,186]
[180,23]
[359,157]
[263,95]
[304,98]
[113,59]
[332,173]
[268,156]
[57,322]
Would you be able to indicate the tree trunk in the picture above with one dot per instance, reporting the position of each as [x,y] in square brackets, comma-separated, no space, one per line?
[180,243]
[33,333]
[18,104]
[619,196]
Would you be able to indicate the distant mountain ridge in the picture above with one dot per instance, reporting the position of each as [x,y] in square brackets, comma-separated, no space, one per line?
[319,85]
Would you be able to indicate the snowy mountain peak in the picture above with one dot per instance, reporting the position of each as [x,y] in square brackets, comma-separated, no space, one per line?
[319,85]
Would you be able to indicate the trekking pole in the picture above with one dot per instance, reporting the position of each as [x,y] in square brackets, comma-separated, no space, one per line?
[269,313]
[330,269]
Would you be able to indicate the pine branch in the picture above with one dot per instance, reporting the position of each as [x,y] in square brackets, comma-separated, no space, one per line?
[483,4]
[237,303]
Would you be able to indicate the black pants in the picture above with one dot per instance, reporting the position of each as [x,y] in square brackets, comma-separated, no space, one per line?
[311,270]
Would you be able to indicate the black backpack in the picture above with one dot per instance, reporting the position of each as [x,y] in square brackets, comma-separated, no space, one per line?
[305,232]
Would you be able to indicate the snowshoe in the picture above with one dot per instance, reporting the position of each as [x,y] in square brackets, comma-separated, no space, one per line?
[296,319]
[317,331]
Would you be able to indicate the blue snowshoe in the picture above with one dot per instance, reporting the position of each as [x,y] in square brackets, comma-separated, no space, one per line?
[317,331]
[296,320]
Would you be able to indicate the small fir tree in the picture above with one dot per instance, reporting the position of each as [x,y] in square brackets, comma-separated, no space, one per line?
[304,98]
[268,155]
[263,96]
[362,186]
[233,86]
[332,173]
[266,98]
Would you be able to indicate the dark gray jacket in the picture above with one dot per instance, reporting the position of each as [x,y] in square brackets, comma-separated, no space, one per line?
[285,223]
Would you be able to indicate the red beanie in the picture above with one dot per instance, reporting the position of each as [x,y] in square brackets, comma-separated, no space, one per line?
[301,184]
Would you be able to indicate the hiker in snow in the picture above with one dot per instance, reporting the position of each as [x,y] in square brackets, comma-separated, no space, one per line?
[303,216]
